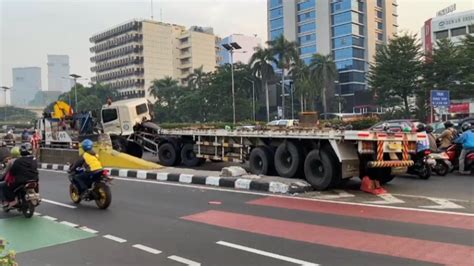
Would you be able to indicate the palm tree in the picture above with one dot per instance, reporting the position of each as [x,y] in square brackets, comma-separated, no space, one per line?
[301,75]
[196,79]
[162,84]
[286,52]
[261,64]
[324,70]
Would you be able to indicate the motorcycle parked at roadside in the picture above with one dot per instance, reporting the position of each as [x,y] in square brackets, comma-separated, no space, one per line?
[423,164]
[99,190]
[27,198]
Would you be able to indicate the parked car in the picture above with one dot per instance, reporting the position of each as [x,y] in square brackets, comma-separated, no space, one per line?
[396,125]
[283,123]
[438,127]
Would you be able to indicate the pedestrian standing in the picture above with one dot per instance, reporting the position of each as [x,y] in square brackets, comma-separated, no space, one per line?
[36,144]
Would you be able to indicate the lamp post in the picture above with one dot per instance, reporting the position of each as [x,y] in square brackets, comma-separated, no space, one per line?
[230,47]
[5,88]
[75,77]
[253,97]
[339,95]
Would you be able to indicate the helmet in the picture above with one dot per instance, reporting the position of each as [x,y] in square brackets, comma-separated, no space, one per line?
[448,124]
[25,149]
[15,152]
[466,126]
[420,127]
[429,129]
[87,144]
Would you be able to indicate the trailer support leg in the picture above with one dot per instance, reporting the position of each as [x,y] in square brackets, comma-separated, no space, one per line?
[371,186]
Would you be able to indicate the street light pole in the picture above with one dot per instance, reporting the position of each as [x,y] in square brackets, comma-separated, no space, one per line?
[339,95]
[75,77]
[292,91]
[231,47]
[253,98]
[5,88]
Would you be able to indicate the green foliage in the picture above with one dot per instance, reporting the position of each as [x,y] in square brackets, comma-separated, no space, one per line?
[7,259]
[16,114]
[324,72]
[466,66]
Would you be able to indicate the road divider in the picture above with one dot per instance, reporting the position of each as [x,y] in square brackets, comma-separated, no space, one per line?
[290,187]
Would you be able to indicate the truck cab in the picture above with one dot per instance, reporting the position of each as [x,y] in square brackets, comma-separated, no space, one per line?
[119,118]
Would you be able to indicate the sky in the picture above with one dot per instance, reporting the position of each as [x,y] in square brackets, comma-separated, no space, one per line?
[31,29]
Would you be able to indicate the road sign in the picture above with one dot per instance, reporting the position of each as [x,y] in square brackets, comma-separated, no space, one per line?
[440,98]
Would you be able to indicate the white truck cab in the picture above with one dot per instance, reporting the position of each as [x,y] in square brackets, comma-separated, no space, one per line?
[119,118]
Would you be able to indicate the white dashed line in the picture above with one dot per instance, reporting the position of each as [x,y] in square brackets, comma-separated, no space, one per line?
[50,218]
[69,224]
[267,254]
[184,261]
[87,229]
[114,238]
[147,249]
[58,203]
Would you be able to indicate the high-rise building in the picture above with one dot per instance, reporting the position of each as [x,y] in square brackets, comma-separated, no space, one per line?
[128,57]
[248,44]
[58,73]
[454,26]
[26,83]
[349,30]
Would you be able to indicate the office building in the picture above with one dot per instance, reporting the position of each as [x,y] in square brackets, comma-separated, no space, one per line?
[248,44]
[128,57]
[349,30]
[58,73]
[26,83]
[454,26]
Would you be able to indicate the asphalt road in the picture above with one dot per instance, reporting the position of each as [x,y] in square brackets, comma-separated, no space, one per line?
[187,225]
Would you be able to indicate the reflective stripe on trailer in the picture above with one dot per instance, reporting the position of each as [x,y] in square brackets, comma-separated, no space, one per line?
[383,164]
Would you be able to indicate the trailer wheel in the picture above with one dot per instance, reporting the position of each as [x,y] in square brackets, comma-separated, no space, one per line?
[261,161]
[288,160]
[167,154]
[188,156]
[319,169]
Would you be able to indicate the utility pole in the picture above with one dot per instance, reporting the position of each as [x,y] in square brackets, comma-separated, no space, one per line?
[5,88]
[231,47]
[75,77]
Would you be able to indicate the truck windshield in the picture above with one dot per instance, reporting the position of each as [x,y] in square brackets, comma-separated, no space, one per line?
[141,109]
[109,115]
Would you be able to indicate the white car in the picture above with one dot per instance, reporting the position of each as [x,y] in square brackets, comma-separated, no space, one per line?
[283,123]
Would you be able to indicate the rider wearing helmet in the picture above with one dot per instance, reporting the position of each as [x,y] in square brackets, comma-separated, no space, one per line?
[422,144]
[90,163]
[20,170]
[431,138]
[467,141]
[449,134]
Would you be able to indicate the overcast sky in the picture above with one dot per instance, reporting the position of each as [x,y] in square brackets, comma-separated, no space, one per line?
[31,29]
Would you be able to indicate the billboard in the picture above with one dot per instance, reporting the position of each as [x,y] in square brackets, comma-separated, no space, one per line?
[440,98]
[427,37]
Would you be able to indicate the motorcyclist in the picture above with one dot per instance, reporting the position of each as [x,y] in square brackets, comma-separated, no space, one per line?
[5,191]
[431,138]
[20,171]
[467,141]
[422,144]
[90,163]
[447,136]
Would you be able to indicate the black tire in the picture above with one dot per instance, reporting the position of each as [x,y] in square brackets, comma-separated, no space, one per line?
[188,156]
[74,194]
[289,160]
[319,169]
[441,168]
[425,172]
[104,196]
[28,210]
[261,161]
[167,154]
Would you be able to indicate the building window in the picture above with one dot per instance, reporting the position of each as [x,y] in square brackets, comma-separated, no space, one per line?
[276,33]
[380,25]
[342,5]
[351,77]
[350,64]
[380,36]
[276,13]
[458,31]
[351,88]
[275,3]
[306,4]
[307,27]
[379,14]
[308,50]
[471,28]
[379,3]
[307,38]
[307,60]
[441,34]
[306,16]
[276,23]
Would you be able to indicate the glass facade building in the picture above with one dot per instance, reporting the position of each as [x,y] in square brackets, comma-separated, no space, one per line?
[349,30]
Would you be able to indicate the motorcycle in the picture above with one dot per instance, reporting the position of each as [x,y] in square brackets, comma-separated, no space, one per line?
[99,190]
[454,151]
[423,165]
[443,164]
[27,198]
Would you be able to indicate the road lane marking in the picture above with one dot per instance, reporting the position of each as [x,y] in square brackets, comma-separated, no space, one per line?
[58,203]
[49,218]
[442,204]
[89,230]
[267,254]
[37,214]
[184,261]
[339,195]
[68,224]
[428,197]
[193,186]
[114,238]
[147,249]
[387,199]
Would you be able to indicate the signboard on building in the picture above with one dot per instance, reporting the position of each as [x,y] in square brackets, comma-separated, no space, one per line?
[453,21]
[428,39]
[440,98]
[459,108]
[446,10]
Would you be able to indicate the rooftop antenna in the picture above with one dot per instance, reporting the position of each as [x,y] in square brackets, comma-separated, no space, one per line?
[151,9]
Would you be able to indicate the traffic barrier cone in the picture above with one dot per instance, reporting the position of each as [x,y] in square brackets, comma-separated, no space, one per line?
[371,186]
[378,188]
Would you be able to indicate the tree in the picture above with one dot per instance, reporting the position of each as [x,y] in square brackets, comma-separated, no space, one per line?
[396,74]
[466,65]
[303,82]
[196,79]
[167,91]
[261,65]
[324,71]
[286,52]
